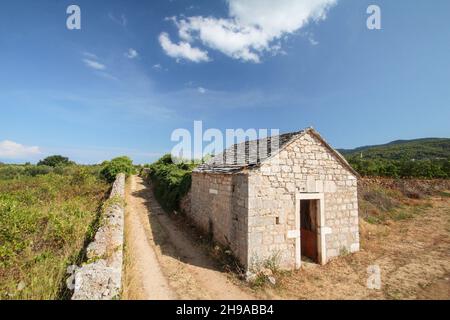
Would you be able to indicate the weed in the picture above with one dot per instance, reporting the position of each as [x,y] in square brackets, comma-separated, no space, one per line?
[373,220]
[401,215]
[343,251]
[444,194]
[44,222]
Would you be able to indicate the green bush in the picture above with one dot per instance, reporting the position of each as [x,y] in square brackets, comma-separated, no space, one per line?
[171,181]
[55,161]
[118,165]
[41,170]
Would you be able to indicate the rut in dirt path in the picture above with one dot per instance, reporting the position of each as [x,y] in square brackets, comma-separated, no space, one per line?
[187,270]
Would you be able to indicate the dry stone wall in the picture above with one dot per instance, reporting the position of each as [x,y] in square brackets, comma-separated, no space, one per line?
[101,277]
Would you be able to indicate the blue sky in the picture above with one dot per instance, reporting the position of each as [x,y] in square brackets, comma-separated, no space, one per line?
[137,70]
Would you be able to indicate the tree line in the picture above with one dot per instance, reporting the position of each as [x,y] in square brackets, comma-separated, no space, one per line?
[428,169]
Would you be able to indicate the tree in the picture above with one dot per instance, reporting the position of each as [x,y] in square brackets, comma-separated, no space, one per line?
[118,165]
[55,161]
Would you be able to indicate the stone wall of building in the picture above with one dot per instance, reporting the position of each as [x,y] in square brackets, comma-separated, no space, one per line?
[101,277]
[219,207]
[304,166]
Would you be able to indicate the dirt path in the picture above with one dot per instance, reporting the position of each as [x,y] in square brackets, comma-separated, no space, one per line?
[163,261]
[143,279]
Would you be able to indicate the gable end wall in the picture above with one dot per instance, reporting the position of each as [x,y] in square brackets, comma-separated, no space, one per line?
[304,166]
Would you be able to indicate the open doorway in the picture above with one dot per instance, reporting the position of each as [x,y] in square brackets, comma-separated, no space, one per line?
[309,213]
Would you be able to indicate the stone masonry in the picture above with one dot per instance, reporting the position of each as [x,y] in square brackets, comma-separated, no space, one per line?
[101,277]
[254,209]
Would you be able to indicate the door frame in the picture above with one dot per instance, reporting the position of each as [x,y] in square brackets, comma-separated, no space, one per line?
[321,230]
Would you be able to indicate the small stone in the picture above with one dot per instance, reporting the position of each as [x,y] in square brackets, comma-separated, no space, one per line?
[21,286]
[70,282]
[71,269]
[272,280]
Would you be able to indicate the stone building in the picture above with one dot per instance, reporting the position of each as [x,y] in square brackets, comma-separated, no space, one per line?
[296,201]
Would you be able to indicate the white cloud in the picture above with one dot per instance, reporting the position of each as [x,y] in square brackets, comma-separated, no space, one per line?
[253,26]
[92,61]
[182,50]
[90,55]
[107,75]
[131,53]
[94,64]
[14,150]
[313,41]
[201,90]
[121,20]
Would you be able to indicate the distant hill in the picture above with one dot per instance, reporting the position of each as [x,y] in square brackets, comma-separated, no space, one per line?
[418,149]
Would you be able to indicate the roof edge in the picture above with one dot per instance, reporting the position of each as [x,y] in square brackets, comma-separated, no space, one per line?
[338,155]
[312,131]
[294,138]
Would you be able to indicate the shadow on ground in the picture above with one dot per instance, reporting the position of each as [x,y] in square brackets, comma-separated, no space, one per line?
[175,236]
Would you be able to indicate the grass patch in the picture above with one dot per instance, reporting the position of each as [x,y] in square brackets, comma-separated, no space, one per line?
[44,223]
[444,194]
[401,215]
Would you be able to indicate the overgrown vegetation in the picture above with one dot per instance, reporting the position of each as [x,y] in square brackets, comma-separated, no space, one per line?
[46,214]
[117,165]
[171,181]
[384,200]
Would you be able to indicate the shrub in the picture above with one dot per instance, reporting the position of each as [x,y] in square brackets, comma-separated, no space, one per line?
[11,172]
[118,165]
[171,181]
[34,171]
[55,161]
